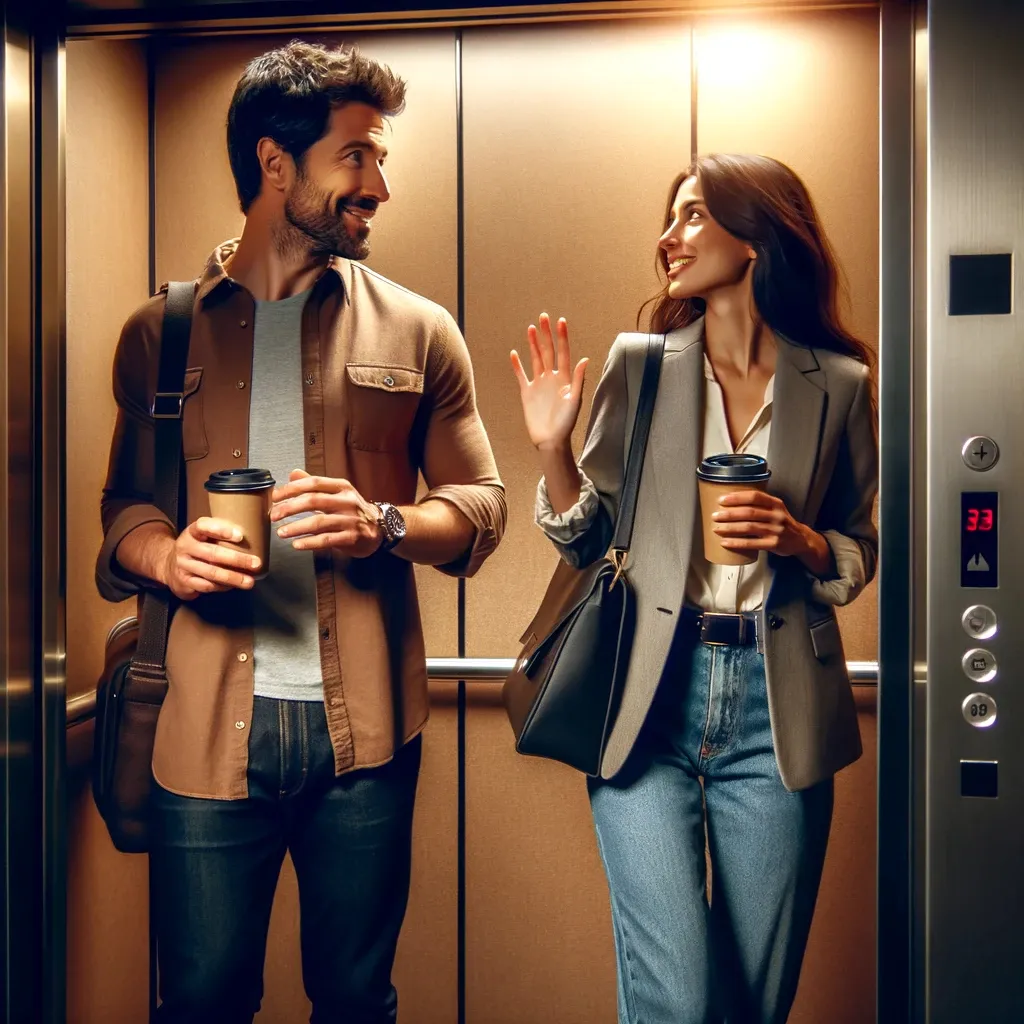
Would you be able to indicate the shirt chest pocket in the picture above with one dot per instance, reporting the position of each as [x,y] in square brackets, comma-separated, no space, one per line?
[194,442]
[382,406]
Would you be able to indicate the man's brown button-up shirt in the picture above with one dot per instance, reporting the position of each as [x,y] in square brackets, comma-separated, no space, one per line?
[388,394]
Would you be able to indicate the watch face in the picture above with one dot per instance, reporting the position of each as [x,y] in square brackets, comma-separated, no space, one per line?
[394,522]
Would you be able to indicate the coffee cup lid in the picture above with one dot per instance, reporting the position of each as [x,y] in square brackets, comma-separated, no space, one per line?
[727,469]
[227,480]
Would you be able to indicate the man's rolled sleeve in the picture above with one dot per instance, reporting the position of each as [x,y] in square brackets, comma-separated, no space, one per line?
[458,464]
[113,582]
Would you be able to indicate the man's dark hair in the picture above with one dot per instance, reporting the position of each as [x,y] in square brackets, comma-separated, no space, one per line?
[288,95]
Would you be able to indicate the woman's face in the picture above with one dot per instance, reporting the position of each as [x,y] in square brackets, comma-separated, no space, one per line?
[702,256]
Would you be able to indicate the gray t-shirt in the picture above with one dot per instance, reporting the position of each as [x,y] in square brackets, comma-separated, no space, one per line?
[286,651]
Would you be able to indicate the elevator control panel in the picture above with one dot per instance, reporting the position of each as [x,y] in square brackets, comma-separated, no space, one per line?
[979,569]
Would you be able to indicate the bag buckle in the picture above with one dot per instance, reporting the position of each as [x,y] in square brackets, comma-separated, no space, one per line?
[167,405]
[619,560]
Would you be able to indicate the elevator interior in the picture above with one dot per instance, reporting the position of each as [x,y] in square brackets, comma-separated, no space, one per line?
[528,172]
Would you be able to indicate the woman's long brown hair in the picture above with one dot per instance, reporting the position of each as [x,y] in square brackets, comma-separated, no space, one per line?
[795,279]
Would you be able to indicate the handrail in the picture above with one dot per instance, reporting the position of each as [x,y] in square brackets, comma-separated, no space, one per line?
[82,707]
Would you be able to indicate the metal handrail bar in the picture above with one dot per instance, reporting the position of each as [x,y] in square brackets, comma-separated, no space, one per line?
[82,706]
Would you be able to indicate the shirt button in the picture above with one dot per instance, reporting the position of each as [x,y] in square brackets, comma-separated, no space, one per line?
[242,656]
[332,701]
[240,385]
[239,725]
[237,452]
[389,381]
[243,323]
[325,633]
[309,379]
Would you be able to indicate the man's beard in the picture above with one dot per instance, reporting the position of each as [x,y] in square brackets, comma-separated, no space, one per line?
[310,211]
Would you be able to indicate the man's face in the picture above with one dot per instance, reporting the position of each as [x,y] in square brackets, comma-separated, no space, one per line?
[340,183]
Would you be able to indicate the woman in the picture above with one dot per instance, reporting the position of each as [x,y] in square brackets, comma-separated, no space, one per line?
[737,709]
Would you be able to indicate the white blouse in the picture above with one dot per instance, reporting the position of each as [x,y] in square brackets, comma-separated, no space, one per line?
[718,588]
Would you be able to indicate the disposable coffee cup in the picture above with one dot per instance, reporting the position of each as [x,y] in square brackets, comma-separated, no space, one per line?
[242,497]
[717,476]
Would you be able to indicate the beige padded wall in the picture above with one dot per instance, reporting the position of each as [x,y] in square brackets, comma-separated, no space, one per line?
[107,277]
[572,136]
[804,89]
[413,243]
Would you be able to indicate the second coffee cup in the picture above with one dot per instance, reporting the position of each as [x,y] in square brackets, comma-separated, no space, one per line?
[717,476]
[242,497]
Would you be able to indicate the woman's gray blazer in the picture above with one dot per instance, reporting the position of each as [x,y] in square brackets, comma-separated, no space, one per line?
[823,454]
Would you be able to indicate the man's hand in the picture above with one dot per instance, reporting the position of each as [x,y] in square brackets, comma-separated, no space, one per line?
[337,515]
[197,564]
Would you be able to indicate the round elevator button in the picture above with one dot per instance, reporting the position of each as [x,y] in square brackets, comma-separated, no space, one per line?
[979,665]
[979,710]
[979,622]
[980,453]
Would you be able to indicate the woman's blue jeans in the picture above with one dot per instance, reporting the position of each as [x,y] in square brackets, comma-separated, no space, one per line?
[680,959]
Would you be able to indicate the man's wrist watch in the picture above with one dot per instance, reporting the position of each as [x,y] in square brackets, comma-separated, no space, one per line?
[391,523]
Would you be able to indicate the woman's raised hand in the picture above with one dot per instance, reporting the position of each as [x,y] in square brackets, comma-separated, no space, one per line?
[552,400]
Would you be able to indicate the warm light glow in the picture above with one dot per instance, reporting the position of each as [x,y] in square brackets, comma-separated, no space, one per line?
[735,57]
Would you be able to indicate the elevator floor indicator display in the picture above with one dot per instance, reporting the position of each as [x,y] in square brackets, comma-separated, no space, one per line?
[979,539]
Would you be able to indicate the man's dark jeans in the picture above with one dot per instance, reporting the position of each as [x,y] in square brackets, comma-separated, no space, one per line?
[215,867]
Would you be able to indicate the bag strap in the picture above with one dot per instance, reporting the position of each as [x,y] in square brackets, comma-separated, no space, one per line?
[168,403]
[638,443]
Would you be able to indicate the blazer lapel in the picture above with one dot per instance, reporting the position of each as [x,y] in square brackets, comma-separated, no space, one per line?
[674,447]
[798,408]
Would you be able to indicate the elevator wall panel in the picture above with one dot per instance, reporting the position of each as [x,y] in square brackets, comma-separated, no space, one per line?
[107,277]
[572,136]
[414,243]
[107,228]
[804,89]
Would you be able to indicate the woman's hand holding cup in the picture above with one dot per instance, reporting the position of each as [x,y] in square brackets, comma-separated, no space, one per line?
[552,400]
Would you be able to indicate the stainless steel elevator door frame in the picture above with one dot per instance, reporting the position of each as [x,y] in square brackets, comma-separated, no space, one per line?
[32,684]
[974,895]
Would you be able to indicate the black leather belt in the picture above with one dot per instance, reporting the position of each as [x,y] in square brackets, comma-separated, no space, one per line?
[723,630]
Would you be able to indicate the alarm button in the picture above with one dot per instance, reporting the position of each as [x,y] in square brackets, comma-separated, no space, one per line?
[979,622]
[980,453]
[979,710]
[979,665]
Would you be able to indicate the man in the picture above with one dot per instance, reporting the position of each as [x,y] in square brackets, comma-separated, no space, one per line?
[293,716]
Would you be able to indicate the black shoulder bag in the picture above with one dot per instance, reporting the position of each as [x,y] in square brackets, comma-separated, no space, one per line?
[134,682]
[563,695]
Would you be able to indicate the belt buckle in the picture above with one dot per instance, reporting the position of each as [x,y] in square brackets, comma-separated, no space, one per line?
[707,617]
